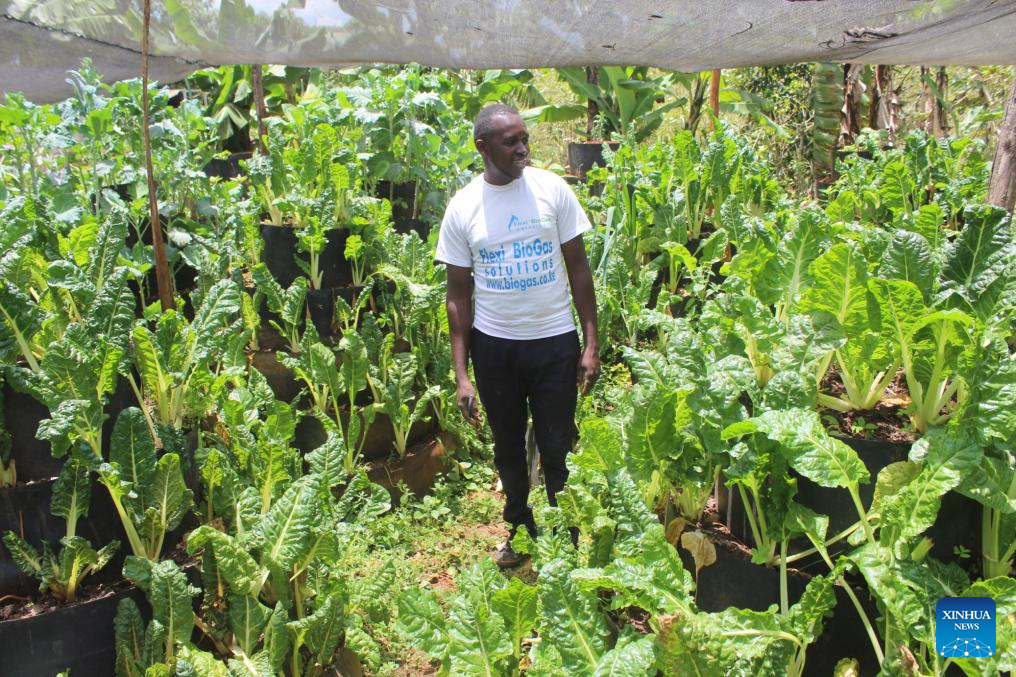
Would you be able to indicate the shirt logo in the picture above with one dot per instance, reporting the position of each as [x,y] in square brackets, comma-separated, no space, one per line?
[515,224]
[965,627]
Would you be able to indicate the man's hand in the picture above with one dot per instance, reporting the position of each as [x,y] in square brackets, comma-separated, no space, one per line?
[466,399]
[588,370]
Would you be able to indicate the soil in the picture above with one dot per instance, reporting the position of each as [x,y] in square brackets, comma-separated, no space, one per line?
[886,422]
[13,607]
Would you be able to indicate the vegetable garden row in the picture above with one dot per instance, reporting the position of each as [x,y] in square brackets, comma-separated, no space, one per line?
[804,437]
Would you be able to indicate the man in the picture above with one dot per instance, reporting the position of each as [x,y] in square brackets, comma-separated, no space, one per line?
[512,239]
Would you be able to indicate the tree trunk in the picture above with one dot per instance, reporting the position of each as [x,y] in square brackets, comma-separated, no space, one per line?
[854,89]
[883,111]
[1002,187]
[259,105]
[698,100]
[592,111]
[935,91]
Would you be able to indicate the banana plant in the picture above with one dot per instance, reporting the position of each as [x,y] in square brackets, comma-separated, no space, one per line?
[60,573]
[827,101]
[626,98]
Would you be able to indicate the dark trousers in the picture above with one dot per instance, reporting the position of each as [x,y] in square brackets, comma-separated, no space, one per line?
[512,375]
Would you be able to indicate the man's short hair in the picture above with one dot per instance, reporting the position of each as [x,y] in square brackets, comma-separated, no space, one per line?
[484,123]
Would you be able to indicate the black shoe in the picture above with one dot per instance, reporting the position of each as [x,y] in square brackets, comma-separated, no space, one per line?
[506,557]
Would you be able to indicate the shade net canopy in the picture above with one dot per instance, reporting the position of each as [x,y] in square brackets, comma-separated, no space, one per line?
[41,39]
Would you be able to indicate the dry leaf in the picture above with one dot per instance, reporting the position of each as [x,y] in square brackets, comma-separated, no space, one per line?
[701,548]
[908,662]
[675,529]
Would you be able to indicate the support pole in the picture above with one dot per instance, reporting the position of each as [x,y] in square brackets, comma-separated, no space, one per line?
[1002,186]
[161,264]
[259,103]
[714,92]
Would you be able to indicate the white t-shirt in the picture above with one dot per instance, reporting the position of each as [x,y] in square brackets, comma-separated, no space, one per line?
[511,237]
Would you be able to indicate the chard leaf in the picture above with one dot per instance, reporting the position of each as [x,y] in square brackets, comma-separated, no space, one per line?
[649,367]
[478,644]
[804,619]
[913,509]
[735,641]
[569,618]
[480,581]
[630,513]
[170,497]
[422,622]
[323,628]
[909,257]
[130,638]
[277,638]
[1002,589]
[353,367]
[902,308]
[516,604]
[599,446]
[652,435]
[112,312]
[146,357]
[810,450]
[786,274]
[72,492]
[326,461]
[169,594]
[202,663]
[363,500]
[109,241]
[25,557]
[363,645]
[993,390]
[286,528]
[217,313]
[132,449]
[891,479]
[20,320]
[631,657]
[839,287]
[237,568]
[980,254]
[61,427]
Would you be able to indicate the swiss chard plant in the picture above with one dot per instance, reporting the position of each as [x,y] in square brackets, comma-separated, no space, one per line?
[273,598]
[179,359]
[147,488]
[61,572]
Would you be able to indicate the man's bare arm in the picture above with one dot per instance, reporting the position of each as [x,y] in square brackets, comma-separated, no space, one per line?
[581,280]
[459,302]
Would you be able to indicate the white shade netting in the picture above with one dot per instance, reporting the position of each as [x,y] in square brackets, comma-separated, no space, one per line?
[41,39]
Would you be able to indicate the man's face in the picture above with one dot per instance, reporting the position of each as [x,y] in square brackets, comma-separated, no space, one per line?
[505,151]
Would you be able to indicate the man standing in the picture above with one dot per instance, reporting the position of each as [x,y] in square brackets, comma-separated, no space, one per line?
[511,240]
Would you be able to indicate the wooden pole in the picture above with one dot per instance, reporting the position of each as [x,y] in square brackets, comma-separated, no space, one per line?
[592,77]
[714,92]
[259,103]
[1002,186]
[161,264]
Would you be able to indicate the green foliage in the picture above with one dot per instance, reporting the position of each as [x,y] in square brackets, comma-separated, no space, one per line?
[148,490]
